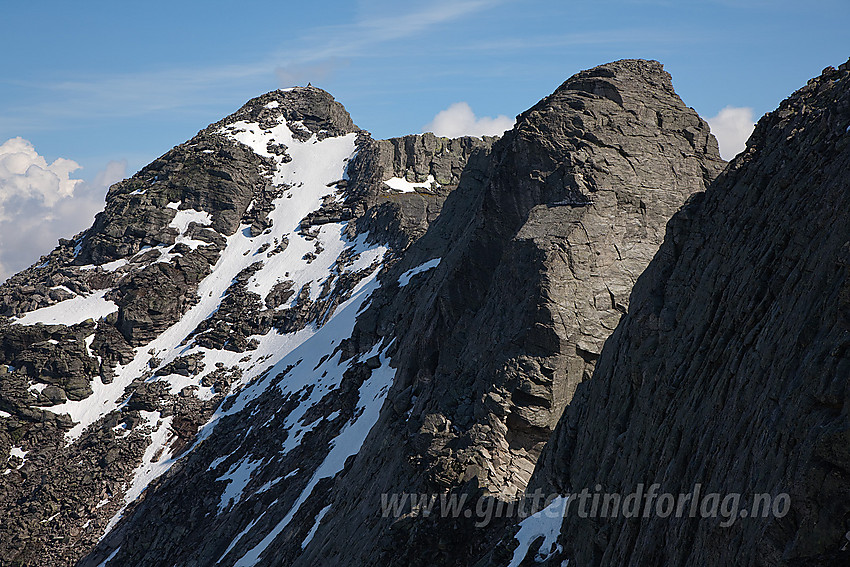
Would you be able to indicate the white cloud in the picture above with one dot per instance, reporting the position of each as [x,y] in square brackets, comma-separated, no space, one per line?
[459,120]
[40,202]
[732,127]
[26,176]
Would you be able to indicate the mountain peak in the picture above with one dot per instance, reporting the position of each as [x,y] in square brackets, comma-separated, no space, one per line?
[269,284]
[730,370]
[640,86]
[310,107]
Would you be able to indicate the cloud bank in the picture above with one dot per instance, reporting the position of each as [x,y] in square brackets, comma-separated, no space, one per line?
[40,202]
[732,127]
[459,120]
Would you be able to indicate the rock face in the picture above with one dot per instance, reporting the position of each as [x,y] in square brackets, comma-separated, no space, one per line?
[285,312]
[537,262]
[437,163]
[732,367]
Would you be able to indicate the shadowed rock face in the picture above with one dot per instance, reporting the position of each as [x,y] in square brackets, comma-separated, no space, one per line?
[732,367]
[538,261]
[401,218]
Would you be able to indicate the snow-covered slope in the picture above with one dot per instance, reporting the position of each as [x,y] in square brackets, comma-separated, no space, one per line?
[211,303]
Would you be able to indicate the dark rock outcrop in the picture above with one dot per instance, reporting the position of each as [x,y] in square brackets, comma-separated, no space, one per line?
[401,218]
[731,369]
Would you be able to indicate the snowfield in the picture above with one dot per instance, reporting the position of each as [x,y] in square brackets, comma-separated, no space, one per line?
[404,279]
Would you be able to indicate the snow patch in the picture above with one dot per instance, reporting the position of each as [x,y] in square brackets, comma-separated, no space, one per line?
[20,453]
[547,524]
[183,219]
[63,288]
[156,460]
[319,517]
[111,556]
[237,479]
[89,340]
[405,186]
[71,311]
[268,485]
[404,279]
[247,529]
[215,464]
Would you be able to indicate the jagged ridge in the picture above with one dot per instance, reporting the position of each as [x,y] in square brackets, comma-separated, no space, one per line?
[537,262]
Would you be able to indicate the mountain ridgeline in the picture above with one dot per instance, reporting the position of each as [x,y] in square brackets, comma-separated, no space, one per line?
[282,323]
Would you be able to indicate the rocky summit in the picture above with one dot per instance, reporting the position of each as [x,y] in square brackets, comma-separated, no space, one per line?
[282,333]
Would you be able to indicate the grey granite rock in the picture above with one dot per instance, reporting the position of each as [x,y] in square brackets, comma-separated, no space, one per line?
[57,502]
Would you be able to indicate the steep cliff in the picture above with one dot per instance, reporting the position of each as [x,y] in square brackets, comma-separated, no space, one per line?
[731,370]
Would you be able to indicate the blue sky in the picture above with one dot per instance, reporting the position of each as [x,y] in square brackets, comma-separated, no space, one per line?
[116,84]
